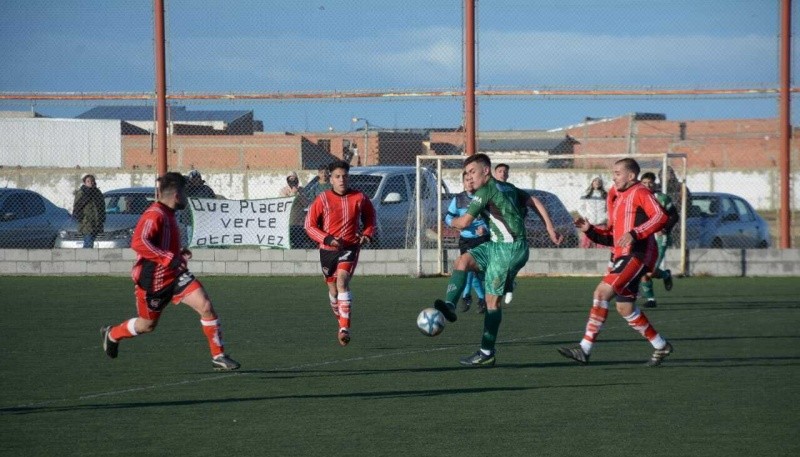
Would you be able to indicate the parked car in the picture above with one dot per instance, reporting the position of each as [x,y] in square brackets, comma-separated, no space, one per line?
[391,190]
[28,220]
[534,225]
[719,220]
[123,209]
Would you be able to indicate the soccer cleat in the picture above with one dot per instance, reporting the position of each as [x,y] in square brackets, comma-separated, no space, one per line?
[667,280]
[575,353]
[659,355]
[343,336]
[110,346]
[478,359]
[448,310]
[650,303]
[224,363]
[466,302]
[481,306]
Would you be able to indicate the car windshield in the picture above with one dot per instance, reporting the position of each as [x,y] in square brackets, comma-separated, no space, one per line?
[133,203]
[365,183]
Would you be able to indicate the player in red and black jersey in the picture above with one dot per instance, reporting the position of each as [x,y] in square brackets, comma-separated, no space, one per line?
[161,275]
[340,220]
[634,216]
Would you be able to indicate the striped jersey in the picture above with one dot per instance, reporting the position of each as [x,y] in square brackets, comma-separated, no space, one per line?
[156,241]
[504,207]
[634,210]
[343,217]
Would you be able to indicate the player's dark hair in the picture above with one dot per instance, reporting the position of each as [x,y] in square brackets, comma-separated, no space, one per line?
[649,175]
[630,165]
[171,182]
[502,165]
[339,164]
[482,158]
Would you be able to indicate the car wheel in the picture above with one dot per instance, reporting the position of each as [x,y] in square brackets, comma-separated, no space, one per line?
[716,243]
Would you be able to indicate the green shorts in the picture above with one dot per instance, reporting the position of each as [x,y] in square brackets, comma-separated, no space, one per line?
[500,263]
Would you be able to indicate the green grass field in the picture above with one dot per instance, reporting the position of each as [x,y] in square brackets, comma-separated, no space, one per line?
[732,386]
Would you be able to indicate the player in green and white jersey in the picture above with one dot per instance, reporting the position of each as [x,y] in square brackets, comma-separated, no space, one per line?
[503,206]
[663,240]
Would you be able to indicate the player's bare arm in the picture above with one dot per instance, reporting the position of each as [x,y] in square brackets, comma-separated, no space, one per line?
[555,237]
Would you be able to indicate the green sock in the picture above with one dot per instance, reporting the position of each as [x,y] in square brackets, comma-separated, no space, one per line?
[647,289]
[491,324]
[458,281]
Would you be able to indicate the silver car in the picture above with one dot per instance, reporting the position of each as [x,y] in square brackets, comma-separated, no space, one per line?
[123,209]
[28,220]
[719,220]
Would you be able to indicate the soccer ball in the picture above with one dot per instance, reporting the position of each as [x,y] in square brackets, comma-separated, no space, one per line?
[430,322]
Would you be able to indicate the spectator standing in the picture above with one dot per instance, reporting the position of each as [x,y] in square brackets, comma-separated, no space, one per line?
[292,187]
[196,187]
[89,209]
[297,233]
[593,209]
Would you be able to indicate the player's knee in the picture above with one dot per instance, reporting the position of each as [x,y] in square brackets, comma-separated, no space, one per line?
[603,292]
[624,308]
[205,307]
[465,262]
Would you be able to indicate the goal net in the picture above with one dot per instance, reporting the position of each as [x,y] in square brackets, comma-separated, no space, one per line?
[561,183]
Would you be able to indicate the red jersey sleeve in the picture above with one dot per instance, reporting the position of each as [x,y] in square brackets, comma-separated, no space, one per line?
[314,222]
[656,216]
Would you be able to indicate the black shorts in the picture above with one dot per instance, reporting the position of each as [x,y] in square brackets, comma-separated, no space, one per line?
[342,259]
[158,300]
[465,244]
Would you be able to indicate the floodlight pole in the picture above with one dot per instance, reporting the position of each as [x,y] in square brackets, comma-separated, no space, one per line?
[161,89]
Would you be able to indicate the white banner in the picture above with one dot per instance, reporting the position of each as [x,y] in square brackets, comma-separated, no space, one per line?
[240,222]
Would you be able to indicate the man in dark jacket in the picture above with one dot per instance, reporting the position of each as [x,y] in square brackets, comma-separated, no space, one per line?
[89,209]
[196,187]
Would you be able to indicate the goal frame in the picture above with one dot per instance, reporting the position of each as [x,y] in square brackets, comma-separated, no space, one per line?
[440,257]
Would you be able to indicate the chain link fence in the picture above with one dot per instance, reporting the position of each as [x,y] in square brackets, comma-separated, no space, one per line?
[261,92]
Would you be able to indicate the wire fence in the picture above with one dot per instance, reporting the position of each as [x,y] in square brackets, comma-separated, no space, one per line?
[261,91]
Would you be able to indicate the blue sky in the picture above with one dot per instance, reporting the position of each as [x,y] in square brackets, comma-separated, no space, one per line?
[354,45]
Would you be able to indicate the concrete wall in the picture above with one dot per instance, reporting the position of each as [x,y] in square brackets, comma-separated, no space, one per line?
[273,262]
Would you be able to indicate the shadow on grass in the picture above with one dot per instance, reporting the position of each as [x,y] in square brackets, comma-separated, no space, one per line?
[380,395]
